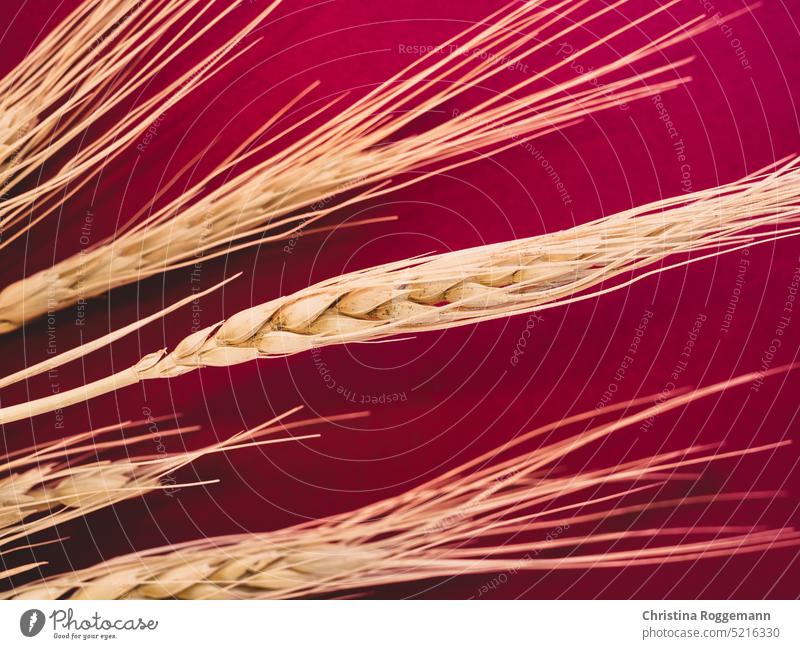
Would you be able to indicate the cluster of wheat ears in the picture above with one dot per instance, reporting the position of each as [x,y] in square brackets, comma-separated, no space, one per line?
[487,515]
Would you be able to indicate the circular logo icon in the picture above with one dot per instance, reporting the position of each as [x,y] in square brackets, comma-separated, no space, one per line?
[31,622]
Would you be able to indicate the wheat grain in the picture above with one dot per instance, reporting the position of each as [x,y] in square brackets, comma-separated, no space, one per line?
[488,515]
[101,55]
[473,285]
[357,151]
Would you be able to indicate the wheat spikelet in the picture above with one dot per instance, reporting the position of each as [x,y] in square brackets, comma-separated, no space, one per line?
[357,152]
[41,488]
[473,285]
[485,516]
[103,53]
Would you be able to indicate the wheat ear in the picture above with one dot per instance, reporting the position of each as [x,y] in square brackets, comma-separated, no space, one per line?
[502,512]
[357,151]
[100,56]
[41,488]
[473,285]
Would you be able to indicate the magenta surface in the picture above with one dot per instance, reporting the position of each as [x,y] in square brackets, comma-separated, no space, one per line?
[436,399]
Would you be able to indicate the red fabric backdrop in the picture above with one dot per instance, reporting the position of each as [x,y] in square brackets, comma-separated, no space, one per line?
[436,399]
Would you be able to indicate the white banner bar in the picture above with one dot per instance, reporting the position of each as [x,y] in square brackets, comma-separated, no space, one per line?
[401,624]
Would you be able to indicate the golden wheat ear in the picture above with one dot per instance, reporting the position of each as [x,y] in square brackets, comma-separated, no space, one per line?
[360,148]
[90,65]
[43,487]
[470,286]
[506,511]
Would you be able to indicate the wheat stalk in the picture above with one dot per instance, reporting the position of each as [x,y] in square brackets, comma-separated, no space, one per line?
[488,515]
[470,286]
[357,152]
[41,488]
[99,57]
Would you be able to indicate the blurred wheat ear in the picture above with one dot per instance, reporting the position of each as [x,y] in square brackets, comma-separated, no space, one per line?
[503,512]
[86,70]
[46,486]
[360,148]
[469,286]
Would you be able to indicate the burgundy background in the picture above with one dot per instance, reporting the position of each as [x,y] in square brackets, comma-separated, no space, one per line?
[462,394]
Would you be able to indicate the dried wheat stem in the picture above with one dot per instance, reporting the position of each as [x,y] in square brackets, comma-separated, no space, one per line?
[486,515]
[474,285]
[79,352]
[357,152]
